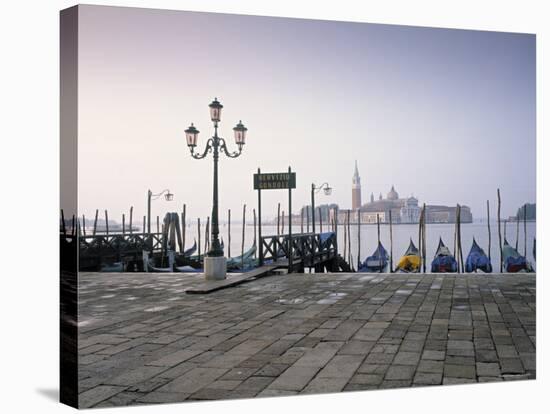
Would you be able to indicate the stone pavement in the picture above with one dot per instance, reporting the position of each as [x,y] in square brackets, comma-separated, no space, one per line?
[143,340]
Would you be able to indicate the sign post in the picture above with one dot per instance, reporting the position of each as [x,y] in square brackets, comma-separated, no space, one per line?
[275,181]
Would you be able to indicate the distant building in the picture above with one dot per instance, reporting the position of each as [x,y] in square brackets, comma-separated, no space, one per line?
[527,211]
[382,207]
[410,212]
[356,189]
[445,214]
[401,210]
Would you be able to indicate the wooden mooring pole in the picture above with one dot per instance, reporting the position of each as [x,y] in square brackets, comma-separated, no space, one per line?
[228,233]
[391,243]
[455,236]
[63,227]
[95,222]
[420,240]
[278,219]
[460,263]
[499,231]
[378,235]
[242,244]
[358,238]
[199,235]
[255,241]
[424,238]
[350,261]
[131,219]
[345,240]
[517,232]
[206,235]
[525,231]
[183,226]
[106,223]
[489,231]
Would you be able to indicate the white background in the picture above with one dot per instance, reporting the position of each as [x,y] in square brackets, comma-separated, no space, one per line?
[29,73]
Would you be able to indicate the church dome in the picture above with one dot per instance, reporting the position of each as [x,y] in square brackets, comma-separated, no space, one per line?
[392,195]
[412,201]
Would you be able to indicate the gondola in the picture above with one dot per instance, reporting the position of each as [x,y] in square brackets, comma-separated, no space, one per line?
[410,262]
[444,261]
[153,266]
[190,264]
[191,250]
[378,262]
[198,258]
[326,238]
[478,260]
[512,261]
[246,258]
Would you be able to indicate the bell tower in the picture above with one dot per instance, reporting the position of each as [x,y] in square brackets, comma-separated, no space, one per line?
[356,189]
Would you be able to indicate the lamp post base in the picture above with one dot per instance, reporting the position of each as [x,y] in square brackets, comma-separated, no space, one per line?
[215,268]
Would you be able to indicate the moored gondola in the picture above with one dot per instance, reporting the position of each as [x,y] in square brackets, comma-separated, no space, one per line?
[512,261]
[410,262]
[478,260]
[191,250]
[377,262]
[444,261]
[242,261]
[163,264]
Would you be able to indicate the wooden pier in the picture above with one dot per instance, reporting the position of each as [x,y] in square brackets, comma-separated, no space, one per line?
[123,247]
[300,251]
[295,253]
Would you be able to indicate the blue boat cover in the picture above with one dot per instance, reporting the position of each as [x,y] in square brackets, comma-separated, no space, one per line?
[443,262]
[478,260]
[513,261]
[377,262]
[325,237]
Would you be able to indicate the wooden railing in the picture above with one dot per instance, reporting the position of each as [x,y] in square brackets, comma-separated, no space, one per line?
[307,248]
[119,244]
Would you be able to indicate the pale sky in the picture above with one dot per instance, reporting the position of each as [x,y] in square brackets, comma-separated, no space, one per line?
[446,115]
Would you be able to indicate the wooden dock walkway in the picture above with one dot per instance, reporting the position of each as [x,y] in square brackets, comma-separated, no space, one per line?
[210,286]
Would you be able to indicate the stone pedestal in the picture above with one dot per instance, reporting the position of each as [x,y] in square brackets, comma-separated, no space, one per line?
[215,268]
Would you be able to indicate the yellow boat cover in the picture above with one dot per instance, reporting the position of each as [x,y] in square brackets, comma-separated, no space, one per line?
[409,263]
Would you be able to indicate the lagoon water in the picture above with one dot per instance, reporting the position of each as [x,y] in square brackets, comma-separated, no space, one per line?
[401,236]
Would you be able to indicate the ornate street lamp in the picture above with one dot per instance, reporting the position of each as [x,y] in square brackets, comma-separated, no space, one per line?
[315,189]
[215,262]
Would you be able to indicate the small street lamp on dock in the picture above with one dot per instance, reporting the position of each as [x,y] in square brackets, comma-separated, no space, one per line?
[215,264]
[315,189]
[168,196]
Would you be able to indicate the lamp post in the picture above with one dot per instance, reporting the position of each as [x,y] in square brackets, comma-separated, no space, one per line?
[315,189]
[215,262]
[168,196]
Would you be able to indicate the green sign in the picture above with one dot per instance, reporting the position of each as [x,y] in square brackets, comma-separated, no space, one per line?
[274,181]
